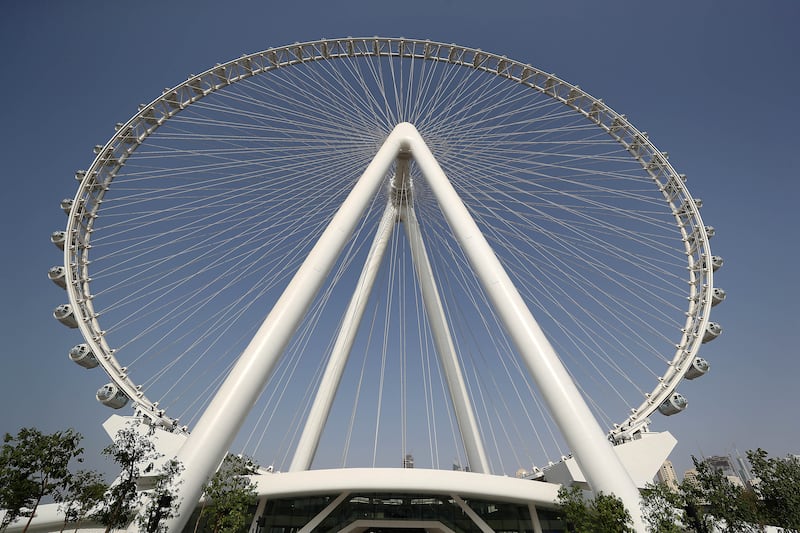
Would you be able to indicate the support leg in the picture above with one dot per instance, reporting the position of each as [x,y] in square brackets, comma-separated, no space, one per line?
[320,409]
[467,424]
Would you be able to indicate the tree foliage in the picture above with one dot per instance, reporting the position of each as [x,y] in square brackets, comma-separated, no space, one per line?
[229,494]
[84,491]
[663,509]
[778,488]
[160,503]
[136,455]
[34,465]
[730,506]
[603,514]
[711,502]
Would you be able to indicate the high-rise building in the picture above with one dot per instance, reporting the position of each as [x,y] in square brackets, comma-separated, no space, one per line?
[721,463]
[690,475]
[724,465]
[408,461]
[666,474]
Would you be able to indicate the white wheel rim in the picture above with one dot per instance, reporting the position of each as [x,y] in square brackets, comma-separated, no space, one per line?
[124,158]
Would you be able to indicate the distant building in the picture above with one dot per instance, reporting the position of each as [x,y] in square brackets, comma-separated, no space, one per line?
[735,480]
[690,475]
[744,470]
[459,467]
[724,465]
[666,474]
[408,461]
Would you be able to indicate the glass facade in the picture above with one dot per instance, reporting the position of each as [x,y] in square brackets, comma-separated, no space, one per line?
[289,515]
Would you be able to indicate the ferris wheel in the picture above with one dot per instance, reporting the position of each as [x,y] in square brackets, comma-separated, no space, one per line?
[195,215]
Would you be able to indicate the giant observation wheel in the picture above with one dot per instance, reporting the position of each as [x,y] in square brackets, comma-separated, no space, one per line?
[193,217]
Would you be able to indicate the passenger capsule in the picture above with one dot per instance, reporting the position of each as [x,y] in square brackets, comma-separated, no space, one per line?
[64,314]
[111,396]
[699,367]
[713,330]
[66,205]
[83,355]
[717,296]
[716,263]
[57,275]
[686,207]
[59,238]
[675,404]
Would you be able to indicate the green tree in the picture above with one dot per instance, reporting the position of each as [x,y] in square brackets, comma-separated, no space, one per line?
[573,509]
[136,455]
[15,489]
[603,514]
[85,490]
[712,502]
[663,509]
[777,489]
[34,465]
[161,503]
[609,514]
[713,496]
[228,496]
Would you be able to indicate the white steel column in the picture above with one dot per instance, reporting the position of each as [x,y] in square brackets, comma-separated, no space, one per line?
[217,427]
[326,391]
[467,424]
[592,450]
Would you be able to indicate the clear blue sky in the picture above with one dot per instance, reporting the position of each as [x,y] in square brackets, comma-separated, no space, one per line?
[712,82]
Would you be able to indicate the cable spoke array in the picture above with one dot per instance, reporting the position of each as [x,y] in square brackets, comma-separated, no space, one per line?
[193,219]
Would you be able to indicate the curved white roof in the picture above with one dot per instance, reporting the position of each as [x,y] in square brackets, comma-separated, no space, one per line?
[406,480]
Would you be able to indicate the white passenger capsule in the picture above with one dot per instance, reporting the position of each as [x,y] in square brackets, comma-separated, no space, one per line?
[674,404]
[111,396]
[64,314]
[83,355]
[699,367]
[717,296]
[59,238]
[713,330]
[694,238]
[716,263]
[66,205]
[57,275]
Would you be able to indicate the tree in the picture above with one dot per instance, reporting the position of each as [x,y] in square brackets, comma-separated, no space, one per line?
[85,490]
[15,488]
[712,502]
[161,504]
[135,453]
[34,465]
[603,514]
[777,489]
[573,509]
[663,509]
[229,494]
[713,495]
[709,502]
[609,514]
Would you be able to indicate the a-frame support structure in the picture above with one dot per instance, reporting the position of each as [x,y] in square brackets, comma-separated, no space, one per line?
[216,429]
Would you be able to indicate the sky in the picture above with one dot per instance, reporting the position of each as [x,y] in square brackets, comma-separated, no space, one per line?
[712,82]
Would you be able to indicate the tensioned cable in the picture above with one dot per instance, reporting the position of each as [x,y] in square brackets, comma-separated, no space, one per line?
[208,220]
